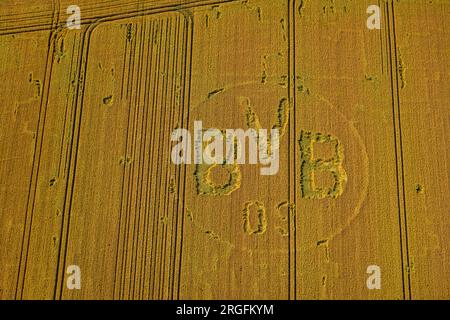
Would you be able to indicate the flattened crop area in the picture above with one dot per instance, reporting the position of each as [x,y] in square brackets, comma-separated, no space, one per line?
[93,205]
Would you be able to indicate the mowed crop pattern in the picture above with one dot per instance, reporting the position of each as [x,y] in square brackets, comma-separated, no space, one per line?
[87,177]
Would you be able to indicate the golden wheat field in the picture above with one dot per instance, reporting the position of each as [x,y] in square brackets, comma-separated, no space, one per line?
[356,205]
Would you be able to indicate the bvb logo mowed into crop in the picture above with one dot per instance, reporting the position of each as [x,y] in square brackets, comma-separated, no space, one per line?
[252,141]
